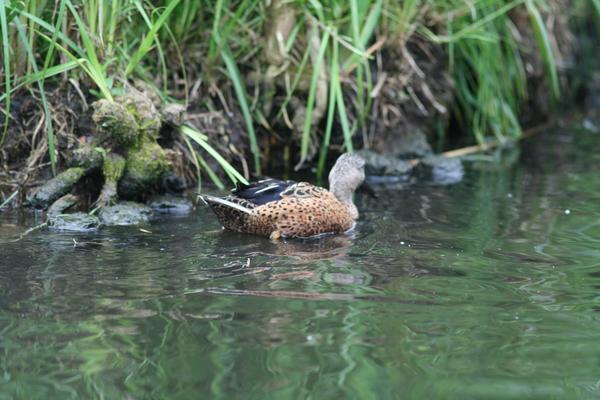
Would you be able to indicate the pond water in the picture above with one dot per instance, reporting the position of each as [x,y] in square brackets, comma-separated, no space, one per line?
[486,289]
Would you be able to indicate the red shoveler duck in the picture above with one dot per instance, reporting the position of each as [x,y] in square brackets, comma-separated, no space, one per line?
[277,208]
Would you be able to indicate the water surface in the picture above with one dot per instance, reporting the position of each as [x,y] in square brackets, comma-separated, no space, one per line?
[489,288]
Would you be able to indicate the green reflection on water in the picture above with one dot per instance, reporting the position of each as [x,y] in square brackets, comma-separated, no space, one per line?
[485,289]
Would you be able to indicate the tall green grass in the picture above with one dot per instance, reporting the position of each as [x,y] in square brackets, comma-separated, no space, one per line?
[487,65]
[218,45]
[7,67]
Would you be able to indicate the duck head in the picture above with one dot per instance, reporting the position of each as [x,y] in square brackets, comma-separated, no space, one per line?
[347,174]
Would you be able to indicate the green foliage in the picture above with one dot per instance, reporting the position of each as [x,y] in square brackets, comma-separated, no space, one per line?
[487,69]
[202,140]
[237,80]
[325,68]
[7,69]
[541,35]
[310,103]
[146,44]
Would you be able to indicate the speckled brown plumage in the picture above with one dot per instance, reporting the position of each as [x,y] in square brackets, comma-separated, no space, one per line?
[284,208]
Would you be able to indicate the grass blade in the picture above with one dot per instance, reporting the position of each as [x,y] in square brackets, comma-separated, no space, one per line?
[240,91]
[213,177]
[360,87]
[310,103]
[60,19]
[52,71]
[371,23]
[296,80]
[468,31]
[146,44]
[335,71]
[198,161]
[202,140]
[341,108]
[95,68]
[541,35]
[83,63]
[6,57]
[53,30]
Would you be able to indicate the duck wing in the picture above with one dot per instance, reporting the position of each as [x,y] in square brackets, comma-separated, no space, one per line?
[304,190]
[262,192]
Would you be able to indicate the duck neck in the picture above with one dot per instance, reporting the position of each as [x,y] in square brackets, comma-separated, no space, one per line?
[344,195]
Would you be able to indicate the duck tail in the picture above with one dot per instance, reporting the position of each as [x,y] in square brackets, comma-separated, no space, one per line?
[231,215]
[212,201]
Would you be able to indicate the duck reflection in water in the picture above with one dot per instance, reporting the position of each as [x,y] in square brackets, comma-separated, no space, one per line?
[312,249]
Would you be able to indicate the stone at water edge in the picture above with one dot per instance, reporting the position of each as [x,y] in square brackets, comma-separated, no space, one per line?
[62,204]
[125,213]
[74,222]
[441,170]
[171,205]
[382,169]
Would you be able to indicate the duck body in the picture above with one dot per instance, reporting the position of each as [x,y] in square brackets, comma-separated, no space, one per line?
[282,208]
[278,208]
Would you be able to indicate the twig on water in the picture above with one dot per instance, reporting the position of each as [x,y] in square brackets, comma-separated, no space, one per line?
[487,146]
[494,143]
[28,231]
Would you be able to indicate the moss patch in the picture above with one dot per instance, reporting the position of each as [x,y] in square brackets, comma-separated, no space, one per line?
[56,187]
[146,165]
[116,122]
[113,167]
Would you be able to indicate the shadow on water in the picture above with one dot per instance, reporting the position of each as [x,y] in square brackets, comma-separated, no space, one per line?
[483,289]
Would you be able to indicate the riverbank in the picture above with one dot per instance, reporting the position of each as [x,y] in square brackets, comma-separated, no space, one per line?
[243,88]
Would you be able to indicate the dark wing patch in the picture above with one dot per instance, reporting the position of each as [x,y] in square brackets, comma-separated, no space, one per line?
[262,192]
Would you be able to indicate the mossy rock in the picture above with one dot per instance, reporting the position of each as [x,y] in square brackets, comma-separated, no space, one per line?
[56,187]
[130,127]
[170,205]
[61,205]
[116,122]
[145,168]
[125,213]
[145,113]
[86,157]
[75,222]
